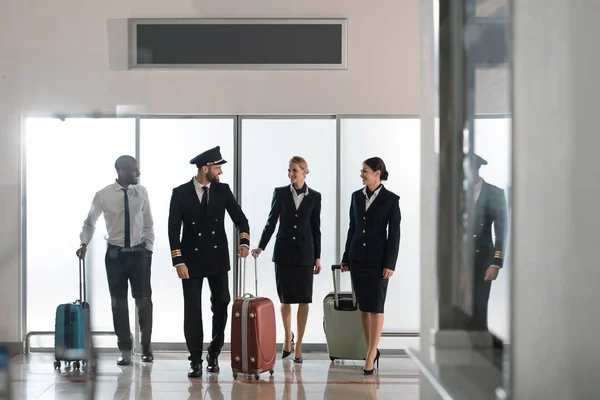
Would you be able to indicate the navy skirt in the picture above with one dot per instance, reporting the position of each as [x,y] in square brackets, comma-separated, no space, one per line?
[369,286]
[294,283]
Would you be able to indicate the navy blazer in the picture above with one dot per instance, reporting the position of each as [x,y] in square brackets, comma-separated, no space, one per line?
[203,246]
[374,234]
[490,208]
[299,235]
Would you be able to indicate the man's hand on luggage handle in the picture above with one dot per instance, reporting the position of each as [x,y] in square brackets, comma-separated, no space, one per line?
[343,267]
[243,251]
[317,269]
[182,272]
[256,252]
[81,251]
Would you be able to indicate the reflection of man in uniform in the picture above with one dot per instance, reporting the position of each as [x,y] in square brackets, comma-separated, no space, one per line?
[203,252]
[490,208]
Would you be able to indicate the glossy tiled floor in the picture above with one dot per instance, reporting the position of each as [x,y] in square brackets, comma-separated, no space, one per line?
[166,378]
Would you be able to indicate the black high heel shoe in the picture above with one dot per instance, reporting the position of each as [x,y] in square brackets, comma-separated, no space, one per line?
[375,361]
[285,353]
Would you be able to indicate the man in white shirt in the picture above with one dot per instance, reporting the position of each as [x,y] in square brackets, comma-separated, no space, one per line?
[129,223]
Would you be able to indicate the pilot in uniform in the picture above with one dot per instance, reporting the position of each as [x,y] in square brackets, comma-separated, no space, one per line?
[490,209]
[202,251]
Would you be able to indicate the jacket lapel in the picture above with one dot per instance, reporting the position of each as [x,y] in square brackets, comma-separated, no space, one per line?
[192,196]
[380,197]
[480,204]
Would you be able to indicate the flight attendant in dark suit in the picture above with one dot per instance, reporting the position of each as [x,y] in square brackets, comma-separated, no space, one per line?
[490,209]
[297,250]
[203,252]
[372,250]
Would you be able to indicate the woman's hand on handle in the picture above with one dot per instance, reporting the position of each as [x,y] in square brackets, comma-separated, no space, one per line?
[387,273]
[256,252]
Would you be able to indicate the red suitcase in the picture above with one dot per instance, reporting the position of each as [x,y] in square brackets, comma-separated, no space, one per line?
[253,332]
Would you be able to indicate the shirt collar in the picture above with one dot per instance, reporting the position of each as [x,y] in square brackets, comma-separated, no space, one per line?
[118,187]
[293,190]
[478,185]
[198,185]
[375,193]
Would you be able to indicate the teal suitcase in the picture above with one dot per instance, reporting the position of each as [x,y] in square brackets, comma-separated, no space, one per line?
[70,328]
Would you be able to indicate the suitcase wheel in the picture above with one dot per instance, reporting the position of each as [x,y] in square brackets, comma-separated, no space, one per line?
[256,376]
[271,372]
[235,375]
[332,359]
[56,364]
[76,365]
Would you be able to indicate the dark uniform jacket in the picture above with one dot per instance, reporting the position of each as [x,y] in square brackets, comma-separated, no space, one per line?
[299,235]
[374,235]
[203,246]
[490,208]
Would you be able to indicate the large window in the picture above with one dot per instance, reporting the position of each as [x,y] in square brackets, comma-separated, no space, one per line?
[267,146]
[66,163]
[398,143]
[166,147]
[82,156]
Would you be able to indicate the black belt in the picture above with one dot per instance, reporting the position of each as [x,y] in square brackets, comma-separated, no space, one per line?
[132,249]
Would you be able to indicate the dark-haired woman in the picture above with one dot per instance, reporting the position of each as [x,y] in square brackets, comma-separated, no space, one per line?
[372,250]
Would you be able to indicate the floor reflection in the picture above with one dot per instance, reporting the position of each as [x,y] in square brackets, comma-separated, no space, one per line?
[166,378]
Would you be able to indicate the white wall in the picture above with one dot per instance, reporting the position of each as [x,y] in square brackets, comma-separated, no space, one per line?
[65,56]
[556,319]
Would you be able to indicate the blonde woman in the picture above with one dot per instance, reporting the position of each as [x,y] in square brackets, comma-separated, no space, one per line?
[297,249]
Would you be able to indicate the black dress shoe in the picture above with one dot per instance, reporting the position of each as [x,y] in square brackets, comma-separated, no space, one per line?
[213,363]
[125,358]
[195,370]
[147,357]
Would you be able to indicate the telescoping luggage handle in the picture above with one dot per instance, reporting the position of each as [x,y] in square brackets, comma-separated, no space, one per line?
[335,287]
[242,263]
[82,283]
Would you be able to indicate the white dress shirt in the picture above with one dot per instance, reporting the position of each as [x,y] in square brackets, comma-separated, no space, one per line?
[200,191]
[110,201]
[298,197]
[370,201]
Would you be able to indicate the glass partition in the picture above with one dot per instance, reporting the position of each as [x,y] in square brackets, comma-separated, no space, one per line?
[67,162]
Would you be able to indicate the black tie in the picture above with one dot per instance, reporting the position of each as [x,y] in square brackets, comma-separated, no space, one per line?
[127,222]
[204,201]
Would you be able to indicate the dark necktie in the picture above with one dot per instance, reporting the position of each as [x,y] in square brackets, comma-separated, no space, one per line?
[300,191]
[127,222]
[370,194]
[204,201]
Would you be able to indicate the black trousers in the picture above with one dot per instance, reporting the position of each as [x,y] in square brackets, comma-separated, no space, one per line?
[123,268]
[481,290]
[192,324]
